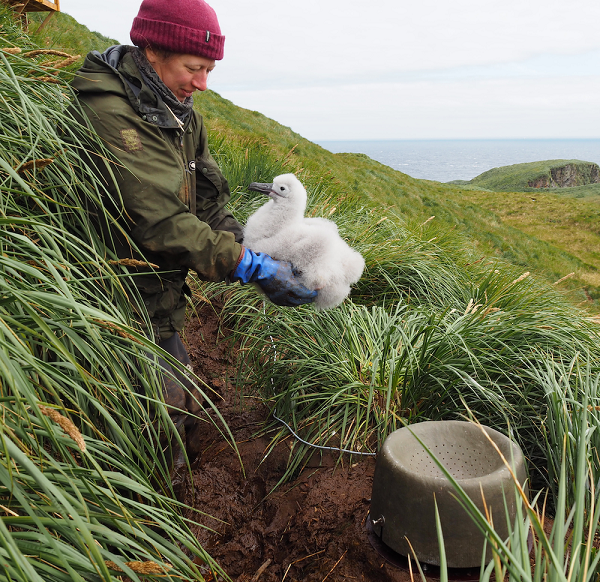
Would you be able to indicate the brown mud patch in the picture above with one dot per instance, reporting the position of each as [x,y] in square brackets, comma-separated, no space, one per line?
[311,528]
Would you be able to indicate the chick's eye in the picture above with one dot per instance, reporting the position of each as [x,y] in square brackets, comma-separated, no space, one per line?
[282,188]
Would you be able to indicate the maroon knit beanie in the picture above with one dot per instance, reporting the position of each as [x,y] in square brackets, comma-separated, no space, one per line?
[179,26]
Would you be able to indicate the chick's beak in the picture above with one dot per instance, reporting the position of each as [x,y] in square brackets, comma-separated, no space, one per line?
[266,189]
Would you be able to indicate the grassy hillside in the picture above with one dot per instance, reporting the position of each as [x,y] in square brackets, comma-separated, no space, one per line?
[573,226]
[64,33]
[466,209]
[587,191]
[554,238]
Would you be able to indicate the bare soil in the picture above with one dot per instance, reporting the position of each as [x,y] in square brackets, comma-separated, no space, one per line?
[309,529]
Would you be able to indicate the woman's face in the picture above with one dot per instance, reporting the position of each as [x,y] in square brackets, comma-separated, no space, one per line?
[181,73]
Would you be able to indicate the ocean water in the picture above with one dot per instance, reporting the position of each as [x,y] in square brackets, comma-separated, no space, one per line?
[447,160]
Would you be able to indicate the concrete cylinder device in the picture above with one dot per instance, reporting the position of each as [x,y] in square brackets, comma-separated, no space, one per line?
[407,483]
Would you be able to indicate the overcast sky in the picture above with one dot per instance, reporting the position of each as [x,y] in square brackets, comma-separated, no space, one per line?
[389,69]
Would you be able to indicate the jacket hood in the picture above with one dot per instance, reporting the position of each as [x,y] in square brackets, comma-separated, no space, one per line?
[99,67]
[114,72]
[112,55]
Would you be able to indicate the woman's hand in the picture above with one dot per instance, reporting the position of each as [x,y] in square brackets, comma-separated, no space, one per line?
[276,279]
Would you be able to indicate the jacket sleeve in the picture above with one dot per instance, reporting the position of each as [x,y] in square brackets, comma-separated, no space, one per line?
[152,185]
[212,192]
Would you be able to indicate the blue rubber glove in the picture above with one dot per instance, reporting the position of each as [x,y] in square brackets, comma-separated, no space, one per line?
[275,278]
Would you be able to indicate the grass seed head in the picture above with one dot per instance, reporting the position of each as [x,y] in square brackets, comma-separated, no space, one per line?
[469,305]
[66,424]
[117,330]
[564,278]
[519,279]
[61,64]
[31,164]
[49,79]
[133,263]
[37,53]
[148,567]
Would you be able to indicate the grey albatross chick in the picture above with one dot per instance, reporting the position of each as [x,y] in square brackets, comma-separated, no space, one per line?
[320,257]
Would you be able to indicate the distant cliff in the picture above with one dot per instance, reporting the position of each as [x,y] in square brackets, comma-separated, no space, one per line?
[546,174]
[568,176]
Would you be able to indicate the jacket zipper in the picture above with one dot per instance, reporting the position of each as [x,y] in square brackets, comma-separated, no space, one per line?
[186,170]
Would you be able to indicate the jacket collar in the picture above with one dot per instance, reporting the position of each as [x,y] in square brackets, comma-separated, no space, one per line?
[149,106]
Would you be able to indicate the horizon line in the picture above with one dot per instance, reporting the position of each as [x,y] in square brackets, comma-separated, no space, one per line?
[318,140]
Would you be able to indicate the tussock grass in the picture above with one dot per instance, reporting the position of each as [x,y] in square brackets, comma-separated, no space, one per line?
[84,488]
[572,397]
[350,376]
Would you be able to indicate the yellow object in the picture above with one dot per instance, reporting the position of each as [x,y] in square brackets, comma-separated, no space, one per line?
[21,7]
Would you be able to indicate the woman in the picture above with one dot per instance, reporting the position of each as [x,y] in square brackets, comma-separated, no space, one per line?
[139,100]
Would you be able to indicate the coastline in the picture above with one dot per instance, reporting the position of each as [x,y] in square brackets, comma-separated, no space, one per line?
[445,160]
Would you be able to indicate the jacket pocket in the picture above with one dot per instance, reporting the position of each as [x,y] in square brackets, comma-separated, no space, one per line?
[207,168]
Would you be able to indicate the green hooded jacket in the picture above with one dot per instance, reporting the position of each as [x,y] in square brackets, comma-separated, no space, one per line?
[168,192]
